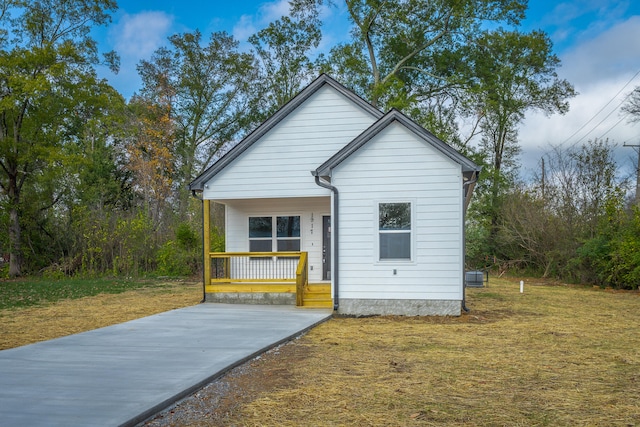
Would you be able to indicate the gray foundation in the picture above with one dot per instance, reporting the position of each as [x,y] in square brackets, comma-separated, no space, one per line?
[265,298]
[371,307]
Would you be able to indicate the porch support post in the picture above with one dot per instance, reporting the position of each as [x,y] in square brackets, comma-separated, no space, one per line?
[206,237]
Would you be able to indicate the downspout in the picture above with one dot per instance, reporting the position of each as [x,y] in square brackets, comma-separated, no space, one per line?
[464,244]
[335,219]
[204,294]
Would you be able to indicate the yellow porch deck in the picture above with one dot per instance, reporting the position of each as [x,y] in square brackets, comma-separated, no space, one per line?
[275,273]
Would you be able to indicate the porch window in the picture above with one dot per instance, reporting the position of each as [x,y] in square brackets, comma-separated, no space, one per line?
[288,238]
[284,237]
[260,234]
[394,228]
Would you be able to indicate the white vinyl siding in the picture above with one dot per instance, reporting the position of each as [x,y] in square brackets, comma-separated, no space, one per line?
[280,163]
[396,165]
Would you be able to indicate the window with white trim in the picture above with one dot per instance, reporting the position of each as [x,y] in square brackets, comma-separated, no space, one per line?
[274,233]
[394,229]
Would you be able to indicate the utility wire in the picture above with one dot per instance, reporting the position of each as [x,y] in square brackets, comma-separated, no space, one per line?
[605,118]
[612,127]
[600,111]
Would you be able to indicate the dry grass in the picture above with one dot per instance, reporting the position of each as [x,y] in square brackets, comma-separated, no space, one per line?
[21,326]
[555,355]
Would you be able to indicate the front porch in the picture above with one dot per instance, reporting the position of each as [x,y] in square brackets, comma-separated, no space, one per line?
[277,251]
[264,278]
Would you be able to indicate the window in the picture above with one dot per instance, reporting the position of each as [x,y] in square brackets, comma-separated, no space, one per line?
[394,228]
[284,237]
[288,238]
[260,234]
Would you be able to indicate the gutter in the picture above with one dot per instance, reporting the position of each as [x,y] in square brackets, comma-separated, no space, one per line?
[334,232]
[464,246]
[204,292]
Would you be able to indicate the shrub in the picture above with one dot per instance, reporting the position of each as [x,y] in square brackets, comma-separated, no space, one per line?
[186,237]
[217,240]
[624,264]
[173,260]
[180,257]
[612,257]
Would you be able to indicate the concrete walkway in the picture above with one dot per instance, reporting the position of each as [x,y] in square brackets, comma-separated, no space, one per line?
[122,374]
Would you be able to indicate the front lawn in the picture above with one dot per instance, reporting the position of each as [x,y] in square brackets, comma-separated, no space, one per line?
[35,310]
[556,356]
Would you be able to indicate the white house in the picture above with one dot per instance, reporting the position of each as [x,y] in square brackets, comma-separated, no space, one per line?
[330,191]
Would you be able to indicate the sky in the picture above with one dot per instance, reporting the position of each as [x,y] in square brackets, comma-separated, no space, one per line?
[597,41]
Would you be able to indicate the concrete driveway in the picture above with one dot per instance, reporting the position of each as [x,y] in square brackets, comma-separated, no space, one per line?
[122,374]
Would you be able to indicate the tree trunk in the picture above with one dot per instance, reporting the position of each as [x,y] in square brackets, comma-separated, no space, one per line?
[498,152]
[15,245]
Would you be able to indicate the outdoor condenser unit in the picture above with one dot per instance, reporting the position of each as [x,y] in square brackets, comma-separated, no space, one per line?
[475,279]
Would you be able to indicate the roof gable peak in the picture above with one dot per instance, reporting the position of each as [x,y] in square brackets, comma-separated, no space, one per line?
[395,115]
[255,135]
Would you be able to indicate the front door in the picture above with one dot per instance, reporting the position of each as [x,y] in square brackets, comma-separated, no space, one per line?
[326,247]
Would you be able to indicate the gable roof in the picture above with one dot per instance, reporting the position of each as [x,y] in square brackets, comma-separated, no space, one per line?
[468,166]
[198,183]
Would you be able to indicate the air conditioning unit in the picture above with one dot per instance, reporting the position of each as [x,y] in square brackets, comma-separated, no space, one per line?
[476,279]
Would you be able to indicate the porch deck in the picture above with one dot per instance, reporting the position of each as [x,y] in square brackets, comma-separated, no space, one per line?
[267,277]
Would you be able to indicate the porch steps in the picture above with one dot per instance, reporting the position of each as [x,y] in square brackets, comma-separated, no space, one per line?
[317,295]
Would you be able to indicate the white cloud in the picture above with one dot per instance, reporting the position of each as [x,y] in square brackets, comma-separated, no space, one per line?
[268,12]
[274,10]
[141,34]
[244,28]
[136,37]
[599,68]
[609,54]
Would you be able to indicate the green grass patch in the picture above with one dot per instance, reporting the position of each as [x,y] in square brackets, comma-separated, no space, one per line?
[30,292]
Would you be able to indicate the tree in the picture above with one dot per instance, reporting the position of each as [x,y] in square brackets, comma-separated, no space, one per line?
[632,105]
[405,52]
[581,184]
[207,90]
[530,235]
[572,229]
[632,108]
[150,157]
[47,58]
[283,48]
[511,73]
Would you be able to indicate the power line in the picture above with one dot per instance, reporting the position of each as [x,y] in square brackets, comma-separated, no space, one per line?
[612,127]
[600,111]
[602,121]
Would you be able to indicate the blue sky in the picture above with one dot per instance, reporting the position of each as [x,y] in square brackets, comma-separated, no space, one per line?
[598,42]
